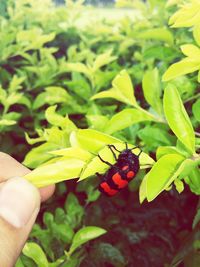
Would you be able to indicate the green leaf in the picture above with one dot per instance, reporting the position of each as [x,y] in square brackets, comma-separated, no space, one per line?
[84,235]
[196,34]
[97,122]
[152,89]
[74,210]
[193,180]
[73,152]
[187,16]
[61,170]
[196,109]
[39,155]
[78,67]
[179,185]
[163,150]
[143,189]
[103,59]
[96,165]
[178,118]
[191,51]
[182,67]
[91,140]
[5,122]
[19,263]
[126,118]
[162,174]
[122,90]
[53,95]
[34,251]
[57,119]
[160,34]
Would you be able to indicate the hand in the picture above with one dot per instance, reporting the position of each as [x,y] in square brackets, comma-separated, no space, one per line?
[19,206]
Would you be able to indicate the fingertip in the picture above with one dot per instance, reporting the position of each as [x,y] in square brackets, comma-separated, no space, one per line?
[46,192]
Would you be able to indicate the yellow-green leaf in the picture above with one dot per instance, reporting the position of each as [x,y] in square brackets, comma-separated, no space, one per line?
[61,170]
[182,67]
[122,90]
[126,118]
[162,175]
[178,118]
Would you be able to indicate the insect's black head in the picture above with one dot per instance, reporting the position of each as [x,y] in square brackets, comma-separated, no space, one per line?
[127,154]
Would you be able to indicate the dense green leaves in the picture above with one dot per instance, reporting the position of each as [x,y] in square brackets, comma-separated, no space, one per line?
[178,118]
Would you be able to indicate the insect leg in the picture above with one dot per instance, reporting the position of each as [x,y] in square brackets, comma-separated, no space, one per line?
[114,148]
[111,149]
[106,162]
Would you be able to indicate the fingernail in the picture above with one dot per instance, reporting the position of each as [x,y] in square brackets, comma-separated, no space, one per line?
[19,199]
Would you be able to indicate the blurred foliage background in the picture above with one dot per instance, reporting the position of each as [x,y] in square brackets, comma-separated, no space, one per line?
[58,60]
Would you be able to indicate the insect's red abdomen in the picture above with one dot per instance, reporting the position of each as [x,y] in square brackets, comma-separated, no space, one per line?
[130,175]
[117,179]
[106,189]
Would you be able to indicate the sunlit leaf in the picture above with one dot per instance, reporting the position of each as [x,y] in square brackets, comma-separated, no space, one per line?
[160,34]
[126,118]
[178,118]
[122,90]
[182,67]
[58,171]
[162,174]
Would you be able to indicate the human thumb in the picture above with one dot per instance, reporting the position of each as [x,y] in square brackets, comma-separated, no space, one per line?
[19,206]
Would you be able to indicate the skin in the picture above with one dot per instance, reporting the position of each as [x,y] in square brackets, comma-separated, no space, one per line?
[12,239]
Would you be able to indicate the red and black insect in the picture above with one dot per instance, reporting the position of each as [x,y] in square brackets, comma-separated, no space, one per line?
[121,173]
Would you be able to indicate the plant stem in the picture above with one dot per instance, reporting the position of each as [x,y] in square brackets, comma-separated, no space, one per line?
[158,119]
[192,98]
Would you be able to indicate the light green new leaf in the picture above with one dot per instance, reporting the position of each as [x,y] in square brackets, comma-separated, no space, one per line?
[34,251]
[162,175]
[160,34]
[5,122]
[103,59]
[182,67]
[96,165]
[178,118]
[152,89]
[196,34]
[122,90]
[191,51]
[126,118]
[53,95]
[58,120]
[188,15]
[143,189]
[73,152]
[91,140]
[164,150]
[61,170]
[78,67]
[179,185]
[84,235]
